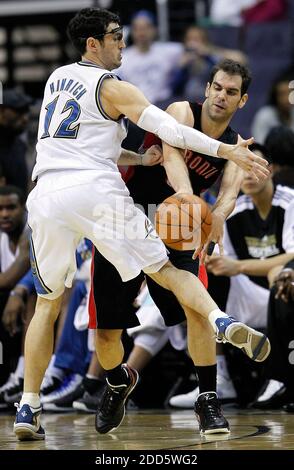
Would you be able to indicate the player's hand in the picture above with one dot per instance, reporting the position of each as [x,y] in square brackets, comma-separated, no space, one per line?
[13,311]
[245,159]
[285,285]
[223,266]
[152,156]
[215,237]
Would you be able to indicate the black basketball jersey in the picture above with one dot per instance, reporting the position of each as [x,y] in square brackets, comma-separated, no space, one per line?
[149,185]
[249,236]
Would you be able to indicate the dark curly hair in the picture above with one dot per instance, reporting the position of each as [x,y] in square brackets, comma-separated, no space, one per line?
[262,149]
[89,22]
[280,144]
[233,68]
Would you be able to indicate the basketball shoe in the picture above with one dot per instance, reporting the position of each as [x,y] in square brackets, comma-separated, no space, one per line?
[11,391]
[27,425]
[253,343]
[112,409]
[209,414]
[90,400]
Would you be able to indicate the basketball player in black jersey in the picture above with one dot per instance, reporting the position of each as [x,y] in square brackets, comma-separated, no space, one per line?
[182,172]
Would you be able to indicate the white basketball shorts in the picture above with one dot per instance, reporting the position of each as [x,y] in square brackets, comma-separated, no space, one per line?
[65,207]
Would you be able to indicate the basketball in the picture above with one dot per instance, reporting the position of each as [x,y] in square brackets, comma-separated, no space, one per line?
[183,222]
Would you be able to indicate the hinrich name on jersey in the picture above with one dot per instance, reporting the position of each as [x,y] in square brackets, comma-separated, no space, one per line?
[67,84]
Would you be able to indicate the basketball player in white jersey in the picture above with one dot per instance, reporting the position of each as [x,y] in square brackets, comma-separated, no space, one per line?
[80,194]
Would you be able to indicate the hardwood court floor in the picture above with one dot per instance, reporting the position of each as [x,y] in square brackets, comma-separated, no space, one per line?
[158,430]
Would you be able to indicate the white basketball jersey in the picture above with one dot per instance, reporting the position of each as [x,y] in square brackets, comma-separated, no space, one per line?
[75,133]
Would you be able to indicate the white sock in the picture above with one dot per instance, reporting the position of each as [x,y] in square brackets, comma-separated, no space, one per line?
[19,371]
[31,399]
[222,366]
[214,315]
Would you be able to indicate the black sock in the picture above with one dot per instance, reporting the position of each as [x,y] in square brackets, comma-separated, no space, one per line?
[117,376]
[207,378]
[92,385]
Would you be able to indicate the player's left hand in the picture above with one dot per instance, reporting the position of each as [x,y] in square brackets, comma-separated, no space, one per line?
[152,156]
[215,237]
[223,266]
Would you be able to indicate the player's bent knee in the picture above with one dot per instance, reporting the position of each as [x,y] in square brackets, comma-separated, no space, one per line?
[105,337]
[49,308]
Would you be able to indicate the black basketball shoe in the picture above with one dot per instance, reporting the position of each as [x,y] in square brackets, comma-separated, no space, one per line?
[209,414]
[112,409]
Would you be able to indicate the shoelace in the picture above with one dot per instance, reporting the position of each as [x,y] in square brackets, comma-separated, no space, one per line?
[110,399]
[212,408]
[220,337]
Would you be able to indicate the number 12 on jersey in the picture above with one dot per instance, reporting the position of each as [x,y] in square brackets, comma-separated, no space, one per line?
[65,129]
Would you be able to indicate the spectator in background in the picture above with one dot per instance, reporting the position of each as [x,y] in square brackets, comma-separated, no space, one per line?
[279,369]
[147,63]
[189,78]
[258,236]
[280,145]
[14,262]
[14,118]
[246,11]
[265,10]
[279,111]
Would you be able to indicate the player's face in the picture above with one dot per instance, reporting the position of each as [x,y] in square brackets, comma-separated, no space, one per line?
[14,121]
[224,96]
[110,52]
[282,96]
[252,187]
[11,213]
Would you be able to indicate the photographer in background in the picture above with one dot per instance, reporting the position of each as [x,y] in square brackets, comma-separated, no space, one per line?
[191,75]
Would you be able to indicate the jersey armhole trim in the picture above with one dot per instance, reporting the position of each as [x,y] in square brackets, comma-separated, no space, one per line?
[97,96]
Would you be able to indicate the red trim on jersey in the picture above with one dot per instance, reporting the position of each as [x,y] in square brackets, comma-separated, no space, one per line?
[127,172]
[93,324]
[149,140]
[202,275]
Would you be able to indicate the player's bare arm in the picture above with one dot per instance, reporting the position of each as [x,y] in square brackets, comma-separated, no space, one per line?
[121,98]
[152,156]
[225,266]
[224,205]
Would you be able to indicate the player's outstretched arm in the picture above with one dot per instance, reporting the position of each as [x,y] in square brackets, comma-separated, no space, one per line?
[120,97]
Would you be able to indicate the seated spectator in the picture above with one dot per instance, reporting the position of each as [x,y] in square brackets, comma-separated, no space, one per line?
[278,112]
[14,118]
[279,368]
[14,262]
[17,314]
[258,237]
[280,145]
